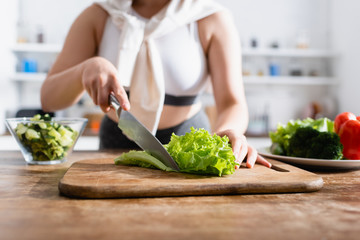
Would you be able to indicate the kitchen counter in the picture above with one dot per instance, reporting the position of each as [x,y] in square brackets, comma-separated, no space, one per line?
[32,208]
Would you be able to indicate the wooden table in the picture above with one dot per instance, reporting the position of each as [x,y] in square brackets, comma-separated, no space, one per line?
[31,208]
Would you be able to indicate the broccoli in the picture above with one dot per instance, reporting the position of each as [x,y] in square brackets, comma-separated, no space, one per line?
[308,142]
[277,149]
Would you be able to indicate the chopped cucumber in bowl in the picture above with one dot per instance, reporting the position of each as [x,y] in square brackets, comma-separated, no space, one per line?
[46,140]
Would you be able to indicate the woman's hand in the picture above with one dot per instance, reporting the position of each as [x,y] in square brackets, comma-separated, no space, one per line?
[99,78]
[242,149]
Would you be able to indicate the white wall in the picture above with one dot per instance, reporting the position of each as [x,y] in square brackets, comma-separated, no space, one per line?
[54,16]
[267,20]
[281,20]
[8,16]
[345,21]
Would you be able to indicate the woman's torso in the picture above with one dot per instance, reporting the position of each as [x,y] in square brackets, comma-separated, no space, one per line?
[184,66]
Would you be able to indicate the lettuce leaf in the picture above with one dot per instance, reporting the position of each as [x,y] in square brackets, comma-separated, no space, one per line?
[141,159]
[196,152]
[202,153]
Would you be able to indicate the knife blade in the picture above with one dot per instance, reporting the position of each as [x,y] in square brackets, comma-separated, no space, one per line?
[137,132]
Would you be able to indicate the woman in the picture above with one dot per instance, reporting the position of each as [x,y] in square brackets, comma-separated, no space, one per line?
[161,53]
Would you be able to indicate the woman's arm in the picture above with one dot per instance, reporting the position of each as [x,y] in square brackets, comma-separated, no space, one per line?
[77,68]
[222,45]
[224,60]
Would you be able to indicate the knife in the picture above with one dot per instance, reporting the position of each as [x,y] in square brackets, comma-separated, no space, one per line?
[137,132]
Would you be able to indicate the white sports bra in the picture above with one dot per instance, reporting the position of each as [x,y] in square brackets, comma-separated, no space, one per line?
[182,55]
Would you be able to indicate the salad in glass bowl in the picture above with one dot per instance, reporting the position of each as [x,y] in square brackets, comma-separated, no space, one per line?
[46,140]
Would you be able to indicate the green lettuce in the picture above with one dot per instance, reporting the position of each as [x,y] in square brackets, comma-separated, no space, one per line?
[281,137]
[141,159]
[196,152]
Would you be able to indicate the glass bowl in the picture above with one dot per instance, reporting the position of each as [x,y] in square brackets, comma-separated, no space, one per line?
[46,142]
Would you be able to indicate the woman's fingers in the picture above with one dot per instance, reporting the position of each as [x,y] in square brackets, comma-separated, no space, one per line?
[238,143]
[239,146]
[93,91]
[243,150]
[121,95]
[253,157]
[99,79]
[263,161]
[102,87]
[103,99]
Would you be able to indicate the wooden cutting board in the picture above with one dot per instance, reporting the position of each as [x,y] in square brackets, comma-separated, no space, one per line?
[101,178]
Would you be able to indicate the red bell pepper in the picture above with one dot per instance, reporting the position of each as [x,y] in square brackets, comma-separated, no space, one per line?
[347,126]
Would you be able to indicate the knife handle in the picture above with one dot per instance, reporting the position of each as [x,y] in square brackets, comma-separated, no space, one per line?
[114,102]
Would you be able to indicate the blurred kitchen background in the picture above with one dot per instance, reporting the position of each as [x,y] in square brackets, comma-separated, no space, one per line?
[300,57]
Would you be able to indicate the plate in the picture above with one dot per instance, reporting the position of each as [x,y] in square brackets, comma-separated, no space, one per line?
[319,163]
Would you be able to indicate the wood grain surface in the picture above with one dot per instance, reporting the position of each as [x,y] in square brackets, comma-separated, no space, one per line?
[101,178]
[32,208]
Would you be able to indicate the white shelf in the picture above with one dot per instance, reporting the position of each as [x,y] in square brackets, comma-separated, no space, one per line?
[280,52]
[288,80]
[37,47]
[29,77]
